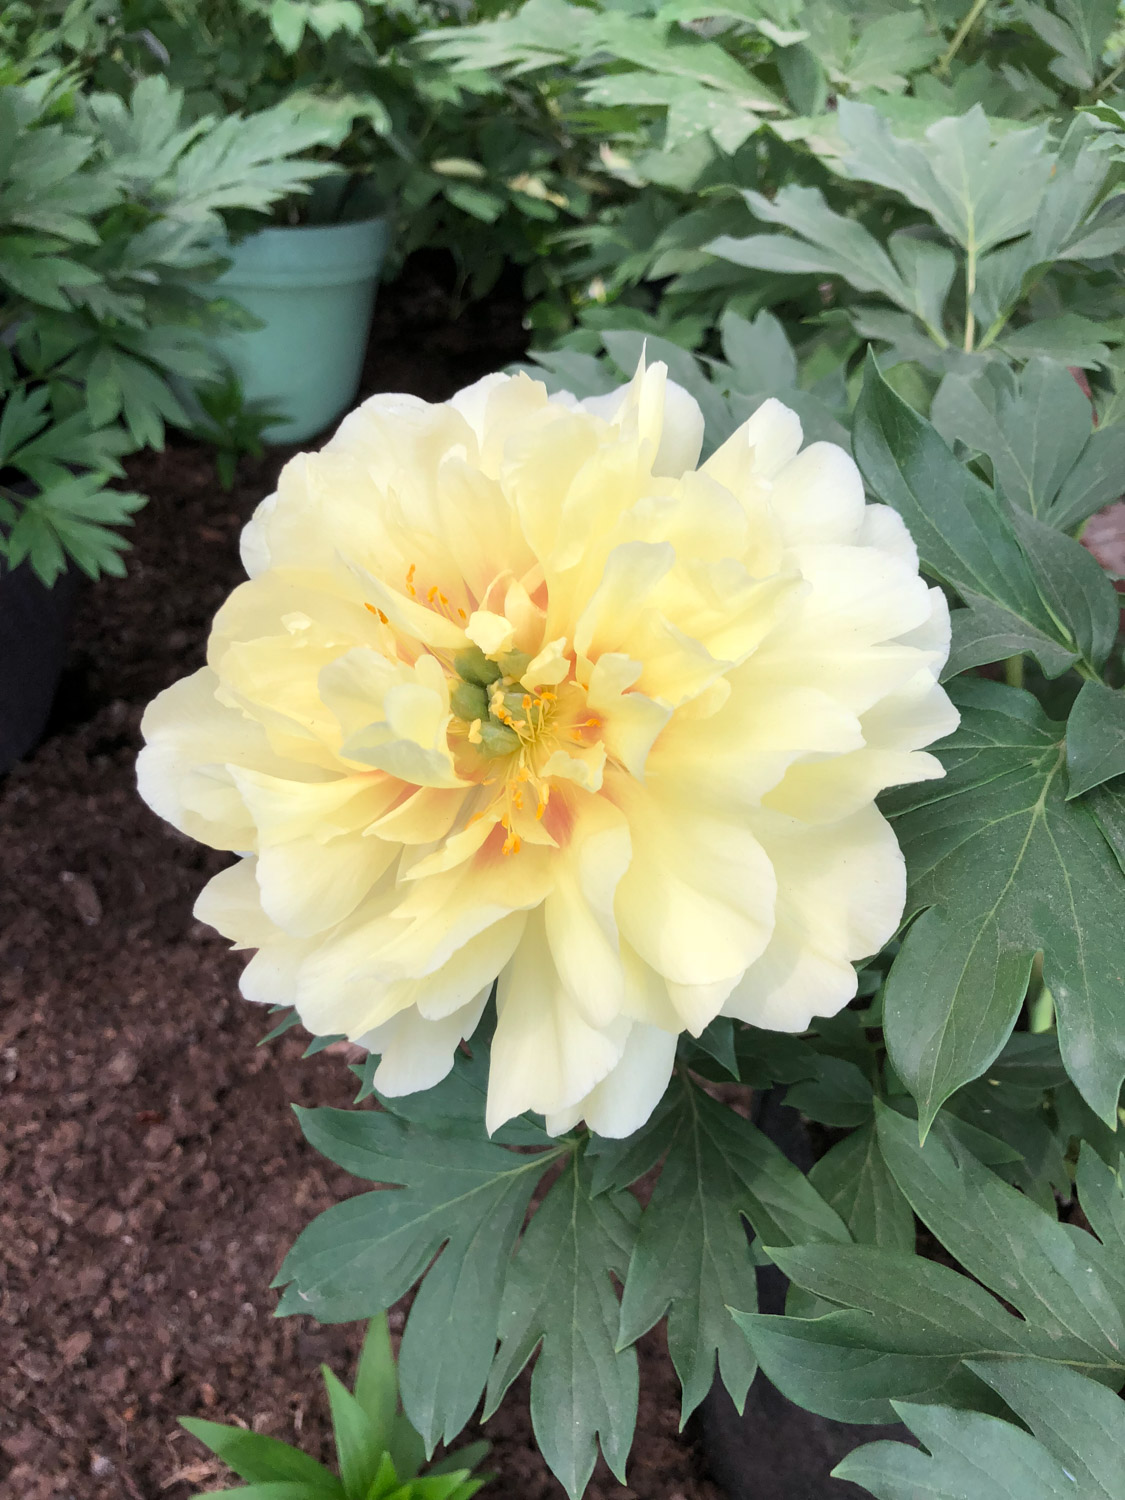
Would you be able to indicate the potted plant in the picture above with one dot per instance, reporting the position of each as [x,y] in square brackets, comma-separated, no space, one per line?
[109,213]
[468,166]
[310,287]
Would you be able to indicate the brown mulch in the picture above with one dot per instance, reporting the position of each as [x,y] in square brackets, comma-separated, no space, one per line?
[151,1172]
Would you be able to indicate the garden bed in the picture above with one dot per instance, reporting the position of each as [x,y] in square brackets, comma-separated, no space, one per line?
[151,1175]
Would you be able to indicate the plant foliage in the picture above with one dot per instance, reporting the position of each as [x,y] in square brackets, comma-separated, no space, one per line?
[109,213]
[379,1455]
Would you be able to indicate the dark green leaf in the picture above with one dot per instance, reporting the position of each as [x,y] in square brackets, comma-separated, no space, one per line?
[1033,431]
[1107,804]
[1073,585]
[464,1193]
[854,1179]
[1069,338]
[1095,737]
[962,535]
[839,1095]
[969,1454]
[692,1260]
[1097,479]
[1079,1422]
[905,1325]
[987,632]
[560,1296]
[1014,869]
[950,1003]
[1066,1285]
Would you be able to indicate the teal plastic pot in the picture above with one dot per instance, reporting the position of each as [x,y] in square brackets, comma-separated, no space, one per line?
[313,288]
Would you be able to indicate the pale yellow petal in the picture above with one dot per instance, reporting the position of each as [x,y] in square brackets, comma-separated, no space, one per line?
[578,914]
[841,891]
[697,900]
[191,740]
[627,1096]
[418,1053]
[545,1055]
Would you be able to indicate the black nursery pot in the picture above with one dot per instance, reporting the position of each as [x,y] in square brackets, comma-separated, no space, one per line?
[776,1450]
[34,625]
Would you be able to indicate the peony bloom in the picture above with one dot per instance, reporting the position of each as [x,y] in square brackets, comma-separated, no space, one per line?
[515,691]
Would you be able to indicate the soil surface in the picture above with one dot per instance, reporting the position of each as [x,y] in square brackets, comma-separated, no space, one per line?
[151,1172]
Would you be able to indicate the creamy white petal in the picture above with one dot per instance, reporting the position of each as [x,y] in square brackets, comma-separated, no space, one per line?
[697,900]
[183,772]
[545,1056]
[841,890]
[418,1053]
[818,497]
[627,1096]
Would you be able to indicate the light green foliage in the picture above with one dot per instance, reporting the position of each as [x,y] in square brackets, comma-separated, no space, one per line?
[1008,210]
[109,211]
[462,163]
[379,1454]
[684,106]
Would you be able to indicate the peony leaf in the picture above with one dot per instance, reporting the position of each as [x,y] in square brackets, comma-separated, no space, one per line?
[458,1191]
[971,539]
[986,632]
[1080,1423]
[1013,869]
[1069,338]
[1095,737]
[691,1259]
[1033,430]
[981,187]
[969,1453]
[830,244]
[1107,803]
[855,1180]
[560,1296]
[963,535]
[1095,480]
[902,1325]
[1068,1285]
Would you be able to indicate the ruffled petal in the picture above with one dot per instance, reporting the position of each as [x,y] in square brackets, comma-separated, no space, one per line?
[841,889]
[545,1055]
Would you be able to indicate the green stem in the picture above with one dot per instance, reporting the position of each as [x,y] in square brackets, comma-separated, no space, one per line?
[1109,78]
[1041,1012]
[970,291]
[967,24]
[1013,671]
[994,332]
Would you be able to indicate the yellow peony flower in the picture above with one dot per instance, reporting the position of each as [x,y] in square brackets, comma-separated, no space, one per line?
[516,691]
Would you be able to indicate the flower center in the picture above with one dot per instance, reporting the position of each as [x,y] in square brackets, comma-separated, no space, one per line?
[510,736]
